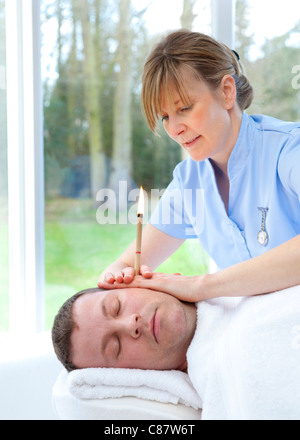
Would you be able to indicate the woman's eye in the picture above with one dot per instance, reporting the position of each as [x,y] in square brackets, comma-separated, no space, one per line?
[164,118]
[185,109]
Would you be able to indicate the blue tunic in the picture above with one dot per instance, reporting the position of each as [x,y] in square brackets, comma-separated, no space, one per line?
[264,172]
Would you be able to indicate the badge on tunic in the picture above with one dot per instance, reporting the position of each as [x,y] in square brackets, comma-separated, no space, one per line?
[262,236]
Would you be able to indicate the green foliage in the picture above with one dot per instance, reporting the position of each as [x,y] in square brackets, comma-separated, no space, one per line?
[65,111]
[271,73]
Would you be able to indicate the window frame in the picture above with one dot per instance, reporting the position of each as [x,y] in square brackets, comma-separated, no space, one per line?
[25,167]
[223,21]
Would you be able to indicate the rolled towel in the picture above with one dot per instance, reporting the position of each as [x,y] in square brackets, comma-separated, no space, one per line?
[163,386]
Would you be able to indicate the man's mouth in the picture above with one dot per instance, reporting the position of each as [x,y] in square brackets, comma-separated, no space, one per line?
[155,326]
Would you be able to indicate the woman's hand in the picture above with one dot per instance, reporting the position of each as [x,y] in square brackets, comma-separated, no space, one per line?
[124,276]
[185,288]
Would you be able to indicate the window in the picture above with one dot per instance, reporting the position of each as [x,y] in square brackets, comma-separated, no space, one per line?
[268,40]
[4,294]
[88,86]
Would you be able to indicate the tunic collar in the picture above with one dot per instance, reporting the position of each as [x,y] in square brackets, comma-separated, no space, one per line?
[241,150]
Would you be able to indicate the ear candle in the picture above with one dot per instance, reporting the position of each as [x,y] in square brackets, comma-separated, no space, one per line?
[138,249]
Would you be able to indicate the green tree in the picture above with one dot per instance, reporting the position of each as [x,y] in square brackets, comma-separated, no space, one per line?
[271,73]
[88,15]
[278,97]
[65,132]
[121,166]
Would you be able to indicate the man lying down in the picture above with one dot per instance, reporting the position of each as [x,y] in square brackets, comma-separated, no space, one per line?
[241,354]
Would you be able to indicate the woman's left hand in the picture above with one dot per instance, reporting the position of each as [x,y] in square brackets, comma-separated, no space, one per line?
[185,288]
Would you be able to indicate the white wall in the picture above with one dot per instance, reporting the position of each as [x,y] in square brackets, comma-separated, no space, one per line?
[28,371]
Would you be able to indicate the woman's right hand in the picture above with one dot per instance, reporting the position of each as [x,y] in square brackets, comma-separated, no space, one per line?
[125,275]
[156,248]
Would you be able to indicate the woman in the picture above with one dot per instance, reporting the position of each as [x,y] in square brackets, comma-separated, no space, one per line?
[247,167]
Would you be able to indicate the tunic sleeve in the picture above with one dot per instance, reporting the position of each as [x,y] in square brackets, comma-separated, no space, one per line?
[170,215]
[289,164]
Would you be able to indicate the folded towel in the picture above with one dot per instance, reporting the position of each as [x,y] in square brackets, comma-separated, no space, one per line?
[244,359]
[163,386]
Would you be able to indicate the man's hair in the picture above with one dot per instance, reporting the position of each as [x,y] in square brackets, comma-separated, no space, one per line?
[62,329]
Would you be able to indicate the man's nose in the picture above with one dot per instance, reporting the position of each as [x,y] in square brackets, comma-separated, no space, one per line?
[131,325]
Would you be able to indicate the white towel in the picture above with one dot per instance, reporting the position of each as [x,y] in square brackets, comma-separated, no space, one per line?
[244,360]
[163,386]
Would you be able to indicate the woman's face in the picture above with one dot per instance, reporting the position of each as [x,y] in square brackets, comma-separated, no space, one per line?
[206,127]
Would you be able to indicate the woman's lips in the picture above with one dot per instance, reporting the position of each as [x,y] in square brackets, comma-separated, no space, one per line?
[192,142]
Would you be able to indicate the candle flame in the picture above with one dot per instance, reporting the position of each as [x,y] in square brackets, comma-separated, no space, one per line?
[140,209]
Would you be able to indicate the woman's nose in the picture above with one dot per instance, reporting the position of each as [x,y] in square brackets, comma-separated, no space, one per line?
[175,129]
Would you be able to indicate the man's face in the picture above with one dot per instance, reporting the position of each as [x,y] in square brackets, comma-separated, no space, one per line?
[131,328]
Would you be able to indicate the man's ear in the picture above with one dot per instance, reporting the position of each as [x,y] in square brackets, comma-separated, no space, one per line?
[228,90]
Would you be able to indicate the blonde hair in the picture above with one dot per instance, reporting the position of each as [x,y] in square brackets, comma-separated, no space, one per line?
[204,56]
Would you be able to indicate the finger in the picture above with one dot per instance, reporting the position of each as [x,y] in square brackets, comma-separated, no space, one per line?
[137,281]
[119,277]
[128,275]
[106,286]
[109,278]
[146,271]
